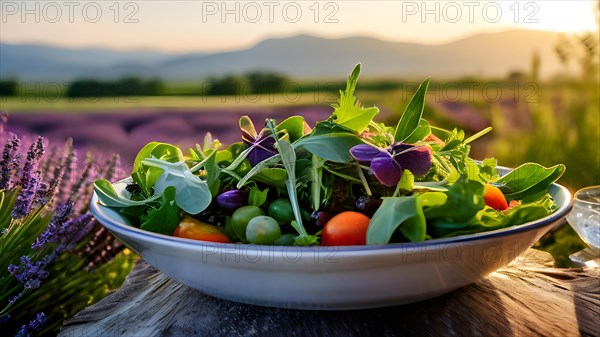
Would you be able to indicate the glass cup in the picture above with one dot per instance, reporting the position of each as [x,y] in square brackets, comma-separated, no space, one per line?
[585,220]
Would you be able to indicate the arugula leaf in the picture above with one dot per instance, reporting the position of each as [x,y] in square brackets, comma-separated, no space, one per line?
[192,193]
[410,119]
[529,181]
[108,196]
[166,218]
[333,146]
[347,112]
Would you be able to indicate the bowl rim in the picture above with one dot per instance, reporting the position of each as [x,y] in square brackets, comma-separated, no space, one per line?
[108,221]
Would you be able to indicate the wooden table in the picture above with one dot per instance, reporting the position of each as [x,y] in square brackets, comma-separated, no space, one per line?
[527,298]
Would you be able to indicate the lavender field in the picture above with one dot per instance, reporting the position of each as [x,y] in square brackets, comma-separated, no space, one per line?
[126,131]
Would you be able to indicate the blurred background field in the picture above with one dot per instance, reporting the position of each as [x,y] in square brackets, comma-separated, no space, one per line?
[538,87]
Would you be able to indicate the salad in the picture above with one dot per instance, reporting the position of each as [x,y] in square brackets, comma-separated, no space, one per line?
[347,180]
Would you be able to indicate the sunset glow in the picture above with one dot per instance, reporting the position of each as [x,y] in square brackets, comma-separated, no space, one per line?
[211,25]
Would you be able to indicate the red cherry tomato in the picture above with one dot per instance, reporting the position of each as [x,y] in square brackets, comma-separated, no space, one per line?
[494,198]
[346,229]
[191,228]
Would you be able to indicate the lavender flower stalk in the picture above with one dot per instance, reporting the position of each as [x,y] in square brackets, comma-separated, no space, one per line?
[47,191]
[30,180]
[34,325]
[29,274]
[59,226]
[10,161]
[25,199]
[36,150]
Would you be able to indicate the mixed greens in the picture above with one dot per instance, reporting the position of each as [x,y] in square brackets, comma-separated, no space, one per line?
[347,180]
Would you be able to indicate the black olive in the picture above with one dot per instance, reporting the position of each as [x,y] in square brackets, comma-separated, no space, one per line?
[367,205]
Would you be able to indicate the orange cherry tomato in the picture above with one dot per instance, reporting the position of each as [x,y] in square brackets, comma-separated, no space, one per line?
[494,198]
[346,229]
[191,228]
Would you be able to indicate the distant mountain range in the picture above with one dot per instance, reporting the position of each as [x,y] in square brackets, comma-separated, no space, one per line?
[302,56]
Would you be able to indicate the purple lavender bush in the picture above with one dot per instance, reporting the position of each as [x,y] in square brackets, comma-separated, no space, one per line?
[56,259]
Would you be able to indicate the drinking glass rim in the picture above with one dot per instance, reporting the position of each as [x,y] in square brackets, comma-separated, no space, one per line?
[576,197]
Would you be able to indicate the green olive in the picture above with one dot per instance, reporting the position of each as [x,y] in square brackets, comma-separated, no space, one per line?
[241,217]
[263,230]
[281,210]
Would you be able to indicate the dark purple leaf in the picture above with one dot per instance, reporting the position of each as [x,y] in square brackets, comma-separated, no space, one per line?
[386,169]
[364,153]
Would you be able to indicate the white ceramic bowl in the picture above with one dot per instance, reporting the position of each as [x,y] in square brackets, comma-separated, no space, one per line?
[333,278]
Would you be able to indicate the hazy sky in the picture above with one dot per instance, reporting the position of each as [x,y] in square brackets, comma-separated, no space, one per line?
[221,25]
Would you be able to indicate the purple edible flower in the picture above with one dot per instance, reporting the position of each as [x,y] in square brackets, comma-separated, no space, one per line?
[262,145]
[387,164]
[33,326]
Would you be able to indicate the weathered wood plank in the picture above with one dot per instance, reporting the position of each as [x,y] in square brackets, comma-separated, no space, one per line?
[528,298]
